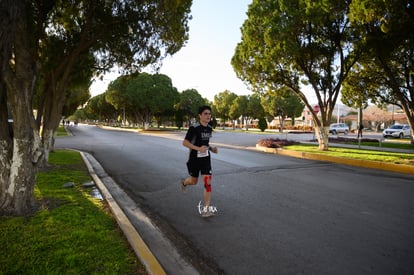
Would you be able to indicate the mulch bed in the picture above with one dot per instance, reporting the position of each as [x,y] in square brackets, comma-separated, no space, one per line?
[279,143]
[276,143]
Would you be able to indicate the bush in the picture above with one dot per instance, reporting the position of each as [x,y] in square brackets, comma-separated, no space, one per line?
[262,124]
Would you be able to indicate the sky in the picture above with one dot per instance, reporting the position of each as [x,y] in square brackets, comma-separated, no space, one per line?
[204,62]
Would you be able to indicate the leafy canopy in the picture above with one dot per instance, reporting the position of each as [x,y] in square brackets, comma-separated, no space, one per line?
[298,44]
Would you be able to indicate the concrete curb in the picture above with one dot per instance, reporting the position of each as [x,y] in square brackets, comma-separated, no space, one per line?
[137,243]
[399,168]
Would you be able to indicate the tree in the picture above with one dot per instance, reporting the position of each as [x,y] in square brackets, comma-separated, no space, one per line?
[99,108]
[116,94]
[132,34]
[142,96]
[282,103]
[52,94]
[298,44]
[77,96]
[19,69]
[254,107]
[78,115]
[51,107]
[376,116]
[293,106]
[386,71]
[189,102]
[222,103]
[238,108]
[355,88]
[166,97]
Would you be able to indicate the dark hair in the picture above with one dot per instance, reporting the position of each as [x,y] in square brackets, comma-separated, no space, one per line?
[203,108]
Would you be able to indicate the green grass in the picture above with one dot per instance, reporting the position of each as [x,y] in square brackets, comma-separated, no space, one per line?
[61,131]
[373,155]
[72,233]
[404,144]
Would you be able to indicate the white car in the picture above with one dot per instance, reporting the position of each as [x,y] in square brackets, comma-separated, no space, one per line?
[337,128]
[397,130]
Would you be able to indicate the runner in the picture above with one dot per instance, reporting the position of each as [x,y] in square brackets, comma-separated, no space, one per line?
[199,161]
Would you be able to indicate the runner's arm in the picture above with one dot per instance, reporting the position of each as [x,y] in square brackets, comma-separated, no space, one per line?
[188,144]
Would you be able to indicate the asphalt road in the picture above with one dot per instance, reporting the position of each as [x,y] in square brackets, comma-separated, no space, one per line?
[276,215]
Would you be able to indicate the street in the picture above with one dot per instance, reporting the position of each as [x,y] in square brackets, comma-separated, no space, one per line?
[276,215]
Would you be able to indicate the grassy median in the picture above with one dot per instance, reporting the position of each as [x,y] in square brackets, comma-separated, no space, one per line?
[372,155]
[72,233]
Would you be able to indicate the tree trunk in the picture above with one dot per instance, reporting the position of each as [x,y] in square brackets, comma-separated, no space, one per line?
[47,145]
[281,123]
[6,145]
[322,134]
[18,179]
[18,175]
[20,149]
[408,108]
[51,119]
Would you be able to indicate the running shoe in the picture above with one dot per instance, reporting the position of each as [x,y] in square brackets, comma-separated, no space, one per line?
[207,213]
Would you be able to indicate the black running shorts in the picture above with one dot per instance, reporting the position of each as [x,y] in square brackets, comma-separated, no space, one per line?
[195,166]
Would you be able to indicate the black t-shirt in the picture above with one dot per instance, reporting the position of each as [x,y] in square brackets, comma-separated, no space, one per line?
[198,135]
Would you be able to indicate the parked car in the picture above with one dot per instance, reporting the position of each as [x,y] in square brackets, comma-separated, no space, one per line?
[397,130]
[337,128]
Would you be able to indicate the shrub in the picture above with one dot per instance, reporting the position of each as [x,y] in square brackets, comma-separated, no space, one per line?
[262,124]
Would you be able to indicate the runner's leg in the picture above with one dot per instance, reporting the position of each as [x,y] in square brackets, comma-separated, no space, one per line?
[193,170]
[207,189]
[190,181]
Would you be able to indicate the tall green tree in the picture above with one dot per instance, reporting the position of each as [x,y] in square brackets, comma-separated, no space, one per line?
[247,107]
[189,102]
[117,95]
[129,33]
[167,97]
[385,74]
[355,90]
[98,108]
[299,44]
[77,96]
[222,102]
[254,107]
[239,108]
[150,96]
[293,106]
[283,104]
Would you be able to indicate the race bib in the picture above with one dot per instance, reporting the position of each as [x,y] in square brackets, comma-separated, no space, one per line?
[202,155]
